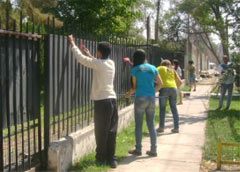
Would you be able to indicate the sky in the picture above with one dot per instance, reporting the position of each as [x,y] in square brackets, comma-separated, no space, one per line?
[165,6]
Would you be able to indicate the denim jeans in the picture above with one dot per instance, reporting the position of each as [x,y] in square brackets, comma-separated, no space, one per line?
[171,94]
[141,105]
[224,89]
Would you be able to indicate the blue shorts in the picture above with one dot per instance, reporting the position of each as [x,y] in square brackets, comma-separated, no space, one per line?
[192,78]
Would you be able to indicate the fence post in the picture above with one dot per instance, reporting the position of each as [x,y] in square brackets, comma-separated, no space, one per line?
[46,104]
[1,115]
[6,89]
[39,114]
[219,155]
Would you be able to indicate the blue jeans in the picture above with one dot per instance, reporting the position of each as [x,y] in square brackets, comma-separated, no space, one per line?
[224,89]
[141,105]
[171,94]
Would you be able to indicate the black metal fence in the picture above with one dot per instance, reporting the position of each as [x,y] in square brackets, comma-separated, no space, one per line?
[30,123]
[68,84]
[20,126]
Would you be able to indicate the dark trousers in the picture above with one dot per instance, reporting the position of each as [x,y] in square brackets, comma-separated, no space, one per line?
[106,123]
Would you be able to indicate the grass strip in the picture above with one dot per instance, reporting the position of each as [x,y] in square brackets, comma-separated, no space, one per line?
[224,125]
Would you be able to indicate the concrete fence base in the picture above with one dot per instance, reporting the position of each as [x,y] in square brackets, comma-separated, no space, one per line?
[63,153]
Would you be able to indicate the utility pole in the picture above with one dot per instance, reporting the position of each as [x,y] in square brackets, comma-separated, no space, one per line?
[226,44]
[148,33]
[157,20]
[148,28]
[188,53]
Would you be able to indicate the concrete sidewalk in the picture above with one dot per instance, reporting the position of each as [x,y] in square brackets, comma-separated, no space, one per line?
[180,152]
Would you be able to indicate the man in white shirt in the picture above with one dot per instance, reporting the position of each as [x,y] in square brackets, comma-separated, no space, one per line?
[104,97]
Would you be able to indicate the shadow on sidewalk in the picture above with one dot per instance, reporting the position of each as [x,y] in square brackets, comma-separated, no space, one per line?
[194,97]
[184,119]
[132,158]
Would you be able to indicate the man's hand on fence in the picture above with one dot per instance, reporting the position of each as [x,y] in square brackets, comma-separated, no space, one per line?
[71,40]
[86,52]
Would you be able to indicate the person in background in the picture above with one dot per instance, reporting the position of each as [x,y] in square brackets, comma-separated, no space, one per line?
[178,69]
[192,75]
[171,81]
[104,97]
[144,76]
[227,79]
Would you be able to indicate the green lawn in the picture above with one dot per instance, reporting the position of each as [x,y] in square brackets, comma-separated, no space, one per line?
[125,141]
[185,88]
[224,125]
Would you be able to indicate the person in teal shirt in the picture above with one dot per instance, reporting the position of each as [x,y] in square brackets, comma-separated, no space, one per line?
[144,76]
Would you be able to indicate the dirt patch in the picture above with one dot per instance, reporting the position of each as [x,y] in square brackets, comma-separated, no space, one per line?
[210,166]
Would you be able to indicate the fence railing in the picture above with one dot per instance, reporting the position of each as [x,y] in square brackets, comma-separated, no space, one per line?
[231,157]
[20,126]
[44,92]
[69,84]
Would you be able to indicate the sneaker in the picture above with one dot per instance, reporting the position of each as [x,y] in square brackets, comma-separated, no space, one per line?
[150,153]
[160,130]
[113,163]
[135,152]
[175,130]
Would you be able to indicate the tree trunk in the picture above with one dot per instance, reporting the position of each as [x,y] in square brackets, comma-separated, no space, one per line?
[157,20]
[224,42]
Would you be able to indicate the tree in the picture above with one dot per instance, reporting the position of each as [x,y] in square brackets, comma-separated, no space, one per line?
[37,10]
[213,16]
[102,17]
[4,7]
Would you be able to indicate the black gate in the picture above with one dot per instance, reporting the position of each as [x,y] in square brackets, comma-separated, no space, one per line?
[44,92]
[67,105]
[20,133]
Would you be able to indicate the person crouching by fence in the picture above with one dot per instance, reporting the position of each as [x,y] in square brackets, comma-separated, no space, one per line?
[178,69]
[144,76]
[104,96]
[171,81]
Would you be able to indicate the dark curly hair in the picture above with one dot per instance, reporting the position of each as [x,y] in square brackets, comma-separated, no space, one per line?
[139,57]
[104,48]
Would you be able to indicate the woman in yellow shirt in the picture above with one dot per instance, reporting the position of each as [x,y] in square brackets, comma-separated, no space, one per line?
[171,81]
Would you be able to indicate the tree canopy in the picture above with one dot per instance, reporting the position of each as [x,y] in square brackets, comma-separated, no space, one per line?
[213,16]
[101,17]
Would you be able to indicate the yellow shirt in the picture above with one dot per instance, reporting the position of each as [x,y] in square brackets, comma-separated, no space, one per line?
[168,77]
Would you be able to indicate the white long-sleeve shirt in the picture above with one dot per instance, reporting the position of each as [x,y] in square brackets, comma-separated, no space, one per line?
[179,71]
[103,75]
